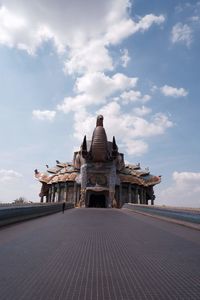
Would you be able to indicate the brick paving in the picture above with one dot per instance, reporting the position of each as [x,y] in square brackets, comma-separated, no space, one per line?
[99,254]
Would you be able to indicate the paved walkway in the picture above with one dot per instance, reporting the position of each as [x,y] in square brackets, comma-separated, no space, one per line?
[97,254]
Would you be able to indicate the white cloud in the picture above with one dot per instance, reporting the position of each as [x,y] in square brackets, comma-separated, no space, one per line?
[94,55]
[84,124]
[77,102]
[135,147]
[95,88]
[126,27]
[156,126]
[173,91]
[129,130]
[128,125]
[91,57]
[101,86]
[187,178]
[125,58]
[181,33]
[44,115]
[73,24]
[8,175]
[147,21]
[183,192]
[16,31]
[133,96]
[84,29]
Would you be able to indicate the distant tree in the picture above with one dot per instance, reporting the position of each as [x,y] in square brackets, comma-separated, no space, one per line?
[20,200]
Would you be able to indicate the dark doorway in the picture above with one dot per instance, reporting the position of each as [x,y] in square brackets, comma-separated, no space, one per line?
[97,200]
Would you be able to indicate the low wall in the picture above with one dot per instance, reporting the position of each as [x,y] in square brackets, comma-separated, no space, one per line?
[182,214]
[17,213]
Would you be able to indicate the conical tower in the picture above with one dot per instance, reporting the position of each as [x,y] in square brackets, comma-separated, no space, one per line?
[99,150]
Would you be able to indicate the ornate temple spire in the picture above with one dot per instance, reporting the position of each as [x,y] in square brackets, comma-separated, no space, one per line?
[99,150]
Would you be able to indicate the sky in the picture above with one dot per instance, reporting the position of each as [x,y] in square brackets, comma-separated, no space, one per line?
[136,62]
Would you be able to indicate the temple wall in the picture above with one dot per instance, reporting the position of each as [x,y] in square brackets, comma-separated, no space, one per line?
[64,191]
[131,193]
[99,176]
[99,182]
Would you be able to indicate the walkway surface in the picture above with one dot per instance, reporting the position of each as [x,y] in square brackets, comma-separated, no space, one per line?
[96,253]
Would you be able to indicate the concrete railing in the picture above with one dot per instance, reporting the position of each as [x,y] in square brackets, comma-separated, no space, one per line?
[182,214]
[16,213]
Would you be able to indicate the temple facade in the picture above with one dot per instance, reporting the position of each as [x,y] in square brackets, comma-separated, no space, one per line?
[97,176]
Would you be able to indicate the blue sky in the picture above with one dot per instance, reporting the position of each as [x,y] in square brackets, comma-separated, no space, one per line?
[136,62]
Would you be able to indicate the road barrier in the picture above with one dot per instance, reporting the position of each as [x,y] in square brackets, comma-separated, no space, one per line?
[17,213]
[182,214]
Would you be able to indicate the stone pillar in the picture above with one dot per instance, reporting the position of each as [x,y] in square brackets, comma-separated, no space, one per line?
[141,196]
[120,195]
[77,194]
[83,198]
[137,195]
[144,196]
[134,195]
[53,193]
[62,190]
[49,195]
[75,188]
[117,196]
[58,192]
[66,191]
[129,193]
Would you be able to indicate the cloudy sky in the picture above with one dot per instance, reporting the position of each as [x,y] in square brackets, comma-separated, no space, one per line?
[136,62]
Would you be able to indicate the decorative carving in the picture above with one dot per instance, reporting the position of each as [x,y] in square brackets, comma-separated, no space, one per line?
[97,179]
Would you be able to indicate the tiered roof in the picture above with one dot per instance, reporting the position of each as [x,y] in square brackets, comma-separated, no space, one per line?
[63,172]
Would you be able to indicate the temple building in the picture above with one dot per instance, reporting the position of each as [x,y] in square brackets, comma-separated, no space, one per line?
[97,176]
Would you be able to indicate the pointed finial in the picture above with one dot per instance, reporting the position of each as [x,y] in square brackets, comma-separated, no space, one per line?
[114,148]
[114,144]
[84,145]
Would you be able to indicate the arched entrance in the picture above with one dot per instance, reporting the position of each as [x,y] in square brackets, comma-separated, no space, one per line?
[97,200]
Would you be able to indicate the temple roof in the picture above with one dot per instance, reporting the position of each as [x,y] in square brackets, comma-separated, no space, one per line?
[135,175]
[64,171]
